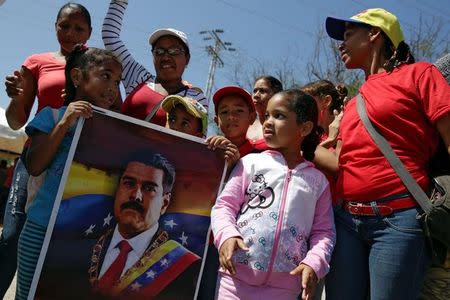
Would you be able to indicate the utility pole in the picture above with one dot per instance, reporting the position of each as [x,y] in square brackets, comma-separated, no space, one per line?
[214,52]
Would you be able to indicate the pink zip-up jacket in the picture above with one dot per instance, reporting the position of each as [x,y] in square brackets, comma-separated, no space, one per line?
[283,215]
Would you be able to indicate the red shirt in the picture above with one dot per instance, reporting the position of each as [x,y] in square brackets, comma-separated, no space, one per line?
[140,103]
[253,146]
[404,105]
[48,72]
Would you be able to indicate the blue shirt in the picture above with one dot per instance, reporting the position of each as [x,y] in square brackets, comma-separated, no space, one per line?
[41,207]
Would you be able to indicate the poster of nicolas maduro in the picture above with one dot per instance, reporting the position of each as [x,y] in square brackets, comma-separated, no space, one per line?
[131,217]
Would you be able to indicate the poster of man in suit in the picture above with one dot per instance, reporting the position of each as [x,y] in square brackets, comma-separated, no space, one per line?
[131,217]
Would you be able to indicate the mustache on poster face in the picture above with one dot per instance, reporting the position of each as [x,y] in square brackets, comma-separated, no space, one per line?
[133,204]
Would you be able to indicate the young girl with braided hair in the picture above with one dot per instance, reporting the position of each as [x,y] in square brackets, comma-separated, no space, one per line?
[92,78]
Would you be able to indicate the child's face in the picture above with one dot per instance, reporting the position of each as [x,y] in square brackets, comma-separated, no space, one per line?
[100,86]
[234,116]
[280,128]
[180,120]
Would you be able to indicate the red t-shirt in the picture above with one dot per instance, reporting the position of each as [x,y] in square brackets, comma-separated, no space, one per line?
[404,105]
[49,74]
[252,147]
[260,145]
[141,101]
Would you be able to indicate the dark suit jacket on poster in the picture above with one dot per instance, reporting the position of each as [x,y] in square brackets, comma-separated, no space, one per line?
[167,270]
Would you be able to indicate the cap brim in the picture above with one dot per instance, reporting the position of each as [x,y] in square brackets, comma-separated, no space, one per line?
[336,27]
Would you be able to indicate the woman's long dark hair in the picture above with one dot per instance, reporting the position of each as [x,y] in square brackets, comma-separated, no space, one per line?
[396,57]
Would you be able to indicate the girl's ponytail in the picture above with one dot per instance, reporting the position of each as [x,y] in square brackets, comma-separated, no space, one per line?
[73,61]
[310,144]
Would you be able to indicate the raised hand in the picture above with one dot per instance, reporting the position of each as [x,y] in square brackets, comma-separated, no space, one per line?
[14,85]
[333,128]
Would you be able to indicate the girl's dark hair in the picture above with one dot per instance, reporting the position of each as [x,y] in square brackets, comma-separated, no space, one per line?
[275,84]
[305,108]
[322,88]
[75,6]
[83,58]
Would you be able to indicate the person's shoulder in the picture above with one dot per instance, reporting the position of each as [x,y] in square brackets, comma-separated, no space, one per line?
[40,57]
[195,93]
[417,68]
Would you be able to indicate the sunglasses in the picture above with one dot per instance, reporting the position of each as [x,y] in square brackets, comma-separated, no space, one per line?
[171,51]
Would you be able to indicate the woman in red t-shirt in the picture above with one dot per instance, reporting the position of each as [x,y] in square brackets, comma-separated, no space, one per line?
[381,251]
[41,76]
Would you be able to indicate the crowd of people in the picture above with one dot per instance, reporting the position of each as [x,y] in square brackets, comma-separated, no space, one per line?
[309,203]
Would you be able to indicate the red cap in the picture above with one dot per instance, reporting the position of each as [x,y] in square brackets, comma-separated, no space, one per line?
[229,90]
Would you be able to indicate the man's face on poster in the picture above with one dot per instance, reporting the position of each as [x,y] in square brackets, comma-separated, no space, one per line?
[140,199]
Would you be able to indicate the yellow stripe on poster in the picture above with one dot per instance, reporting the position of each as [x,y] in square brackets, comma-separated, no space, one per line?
[83,180]
[148,260]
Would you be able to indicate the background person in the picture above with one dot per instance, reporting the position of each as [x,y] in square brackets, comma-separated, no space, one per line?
[330,101]
[437,279]
[263,89]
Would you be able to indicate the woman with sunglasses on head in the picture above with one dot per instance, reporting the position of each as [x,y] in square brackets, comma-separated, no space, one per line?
[381,250]
[144,91]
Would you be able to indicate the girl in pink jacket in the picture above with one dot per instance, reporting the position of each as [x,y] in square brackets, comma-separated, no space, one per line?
[273,222]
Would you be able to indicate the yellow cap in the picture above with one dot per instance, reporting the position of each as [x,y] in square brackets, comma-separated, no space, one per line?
[193,107]
[376,17]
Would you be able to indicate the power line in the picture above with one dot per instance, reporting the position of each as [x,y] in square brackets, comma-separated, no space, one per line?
[270,19]
[214,52]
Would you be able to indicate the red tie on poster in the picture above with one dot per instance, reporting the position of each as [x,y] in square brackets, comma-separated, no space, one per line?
[115,270]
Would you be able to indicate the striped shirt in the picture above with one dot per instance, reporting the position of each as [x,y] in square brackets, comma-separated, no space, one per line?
[142,93]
